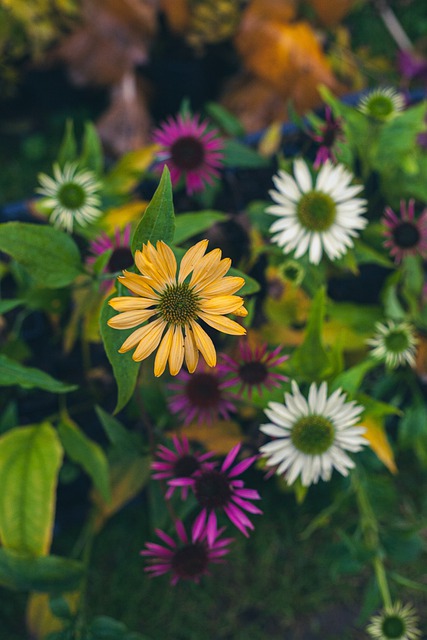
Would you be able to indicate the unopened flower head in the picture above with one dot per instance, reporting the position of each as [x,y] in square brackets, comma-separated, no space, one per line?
[222,490]
[382,104]
[72,196]
[201,396]
[173,301]
[311,436]
[397,622]
[253,367]
[188,558]
[329,133]
[316,217]
[119,247]
[405,236]
[191,149]
[394,343]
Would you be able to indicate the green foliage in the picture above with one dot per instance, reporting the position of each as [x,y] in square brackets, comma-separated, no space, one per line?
[91,156]
[122,440]
[27,243]
[30,458]
[12,373]
[48,574]
[224,119]
[188,225]
[158,221]
[237,154]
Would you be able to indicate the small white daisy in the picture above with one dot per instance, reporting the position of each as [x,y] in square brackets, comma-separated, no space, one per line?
[382,104]
[318,217]
[311,435]
[71,195]
[394,343]
[397,622]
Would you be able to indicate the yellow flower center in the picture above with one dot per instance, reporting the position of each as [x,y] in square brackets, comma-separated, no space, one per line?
[179,304]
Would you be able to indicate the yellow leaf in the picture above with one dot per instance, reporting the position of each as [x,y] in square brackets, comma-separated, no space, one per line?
[377,438]
[40,619]
[270,142]
[128,171]
[219,436]
[119,217]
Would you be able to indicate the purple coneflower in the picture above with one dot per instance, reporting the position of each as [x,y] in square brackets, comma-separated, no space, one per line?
[200,396]
[121,255]
[189,149]
[187,559]
[405,236]
[329,133]
[221,490]
[181,463]
[253,368]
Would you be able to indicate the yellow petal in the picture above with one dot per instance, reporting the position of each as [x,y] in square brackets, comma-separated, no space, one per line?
[190,350]
[215,273]
[147,268]
[221,304]
[224,287]
[138,285]
[176,355]
[130,303]
[163,351]
[376,435]
[204,344]
[241,312]
[130,319]
[205,264]
[191,258]
[168,261]
[150,342]
[138,335]
[221,323]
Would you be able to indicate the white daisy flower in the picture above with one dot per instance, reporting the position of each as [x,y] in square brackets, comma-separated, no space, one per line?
[397,621]
[394,343]
[382,104]
[318,217]
[311,436]
[72,196]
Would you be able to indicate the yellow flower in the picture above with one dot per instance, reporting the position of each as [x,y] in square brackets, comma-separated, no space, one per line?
[174,303]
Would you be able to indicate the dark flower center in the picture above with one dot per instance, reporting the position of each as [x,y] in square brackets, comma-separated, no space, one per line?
[253,373]
[330,134]
[406,235]
[203,391]
[188,153]
[313,435]
[185,466]
[316,211]
[190,561]
[178,304]
[212,489]
[71,195]
[393,627]
[120,259]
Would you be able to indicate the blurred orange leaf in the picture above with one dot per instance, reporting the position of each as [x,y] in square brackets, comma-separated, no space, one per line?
[219,436]
[177,14]
[377,437]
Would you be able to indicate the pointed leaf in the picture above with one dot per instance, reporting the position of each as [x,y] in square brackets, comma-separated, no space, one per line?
[187,225]
[68,148]
[119,436]
[30,458]
[91,156]
[49,574]
[51,256]
[376,435]
[310,360]
[350,380]
[12,372]
[237,154]
[158,221]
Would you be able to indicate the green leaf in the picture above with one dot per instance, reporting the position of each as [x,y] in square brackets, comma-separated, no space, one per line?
[158,221]
[30,458]
[224,119]
[12,372]
[8,305]
[240,155]
[91,156]
[50,255]
[119,436]
[310,360]
[350,380]
[188,225]
[250,286]
[365,254]
[104,627]
[125,369]
[88,454]
[68,148]
[398,137]
[50,574]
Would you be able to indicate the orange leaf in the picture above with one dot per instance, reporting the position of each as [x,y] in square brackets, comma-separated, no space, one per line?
[377,438]
[177,14]
[219,436]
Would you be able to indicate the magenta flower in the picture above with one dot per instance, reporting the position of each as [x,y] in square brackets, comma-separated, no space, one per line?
[187,559]
[412,66]
[254,368]
[200,396]
[121,255]
[329,133]
[405,236]
[180,463]
[220,490]
[190,149]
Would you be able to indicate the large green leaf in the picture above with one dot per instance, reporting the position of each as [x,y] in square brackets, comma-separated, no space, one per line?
[125,369]
[48,574]
[12,372]
[30,458]
[87,454]
[158,221]
[351,380]
[125,442]
[240,155]
[188,225]
[68,148]
[9,304]
[91,156]
[51,256]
